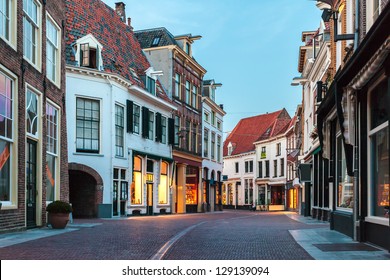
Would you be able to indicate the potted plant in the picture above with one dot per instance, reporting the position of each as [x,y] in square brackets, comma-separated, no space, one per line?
[59,213]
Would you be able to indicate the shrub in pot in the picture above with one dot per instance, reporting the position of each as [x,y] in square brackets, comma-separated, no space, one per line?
[58,213]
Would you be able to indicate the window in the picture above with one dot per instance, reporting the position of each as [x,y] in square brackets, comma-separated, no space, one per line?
[219,125]
[212,145]
[266,169]
[206,143]
[188,97]
[51,151]
[87,125]
[278,149]
[156,41]
[376,8]
[219,141]
[32,114]
[52,51]
[249,166]
[236,164]
[8,21]
[136,185]
[194,138]
[260,169]
[88,56]
[31,16]
[119,130]
[187,135]
[275,168]
[281,167]
[248,191]
[177,131]
[164,124]
[263,153]
[150,84]
[177,86]
[344,182]
[206,117]
[136,118]
[151,126]
[187,48]
[212,117]
[194,96]
[6,136]
[163,187]
[379,151]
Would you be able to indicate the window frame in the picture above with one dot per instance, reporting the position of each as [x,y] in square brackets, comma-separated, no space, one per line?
[56,154]
[36,28]
[57,51]
[11,26]
[83,150]
[119,127]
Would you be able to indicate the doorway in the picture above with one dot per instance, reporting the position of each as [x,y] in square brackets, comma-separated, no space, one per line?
[31,183]
[149,209]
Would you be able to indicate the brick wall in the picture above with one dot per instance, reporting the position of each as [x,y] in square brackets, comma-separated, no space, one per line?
[26,73]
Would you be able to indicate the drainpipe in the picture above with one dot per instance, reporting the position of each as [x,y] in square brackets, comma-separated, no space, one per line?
[111,155]
[356,187]
[357,15]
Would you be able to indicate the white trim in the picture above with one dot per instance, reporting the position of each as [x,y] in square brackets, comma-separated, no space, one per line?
[377,220]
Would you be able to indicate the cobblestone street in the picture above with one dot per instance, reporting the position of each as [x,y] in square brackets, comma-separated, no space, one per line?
[221,235]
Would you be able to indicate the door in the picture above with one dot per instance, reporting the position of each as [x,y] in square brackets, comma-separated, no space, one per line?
[31,182]
[149,209]
[115,199]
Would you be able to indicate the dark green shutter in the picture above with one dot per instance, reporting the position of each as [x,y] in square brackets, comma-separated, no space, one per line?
[171,131]
[145,122]
[129,115]
[158,128]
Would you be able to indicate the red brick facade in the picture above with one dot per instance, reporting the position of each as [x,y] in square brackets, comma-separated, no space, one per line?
[13,218]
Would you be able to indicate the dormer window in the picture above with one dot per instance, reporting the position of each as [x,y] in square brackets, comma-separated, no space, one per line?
[87,56]
[88,52]
[187,48]
[230,149]
[156,41]
[150,84]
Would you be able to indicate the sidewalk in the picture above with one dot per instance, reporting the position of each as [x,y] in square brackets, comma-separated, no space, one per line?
[326,244]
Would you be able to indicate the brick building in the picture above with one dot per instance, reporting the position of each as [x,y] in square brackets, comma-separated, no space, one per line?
[33,147]
[182,80]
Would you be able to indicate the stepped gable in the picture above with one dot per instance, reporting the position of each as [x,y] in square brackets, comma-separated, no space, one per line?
[252,129]
[121,53]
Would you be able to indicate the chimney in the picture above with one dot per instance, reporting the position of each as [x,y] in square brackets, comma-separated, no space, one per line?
[120,11]
[129,23]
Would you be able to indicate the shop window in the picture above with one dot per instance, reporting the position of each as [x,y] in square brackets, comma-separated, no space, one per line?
[136,185]
[191,194]
[163,188]
[378,163]
[344,182]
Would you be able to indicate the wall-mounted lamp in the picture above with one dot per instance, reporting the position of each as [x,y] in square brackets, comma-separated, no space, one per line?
[321,88]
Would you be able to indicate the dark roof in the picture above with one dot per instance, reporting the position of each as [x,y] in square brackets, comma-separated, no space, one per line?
[146,37]
[252,129]
[121,51]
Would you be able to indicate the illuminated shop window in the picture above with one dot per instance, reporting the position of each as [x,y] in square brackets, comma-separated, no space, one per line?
[136,185]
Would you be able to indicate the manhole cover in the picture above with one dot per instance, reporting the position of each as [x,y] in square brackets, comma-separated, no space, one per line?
[345,247]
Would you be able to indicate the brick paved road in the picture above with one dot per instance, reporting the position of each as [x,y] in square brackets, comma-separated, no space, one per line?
[222,235]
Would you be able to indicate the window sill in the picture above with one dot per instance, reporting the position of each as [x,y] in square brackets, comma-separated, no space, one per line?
[377,220]
[120,157]
[88,154]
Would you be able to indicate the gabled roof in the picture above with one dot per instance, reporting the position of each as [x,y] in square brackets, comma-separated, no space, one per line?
[147,37]
[121,52]
[257,128]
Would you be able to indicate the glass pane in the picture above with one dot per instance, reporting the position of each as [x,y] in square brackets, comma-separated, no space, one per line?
[379,102]
[50,177]
[380,160]
[5,171]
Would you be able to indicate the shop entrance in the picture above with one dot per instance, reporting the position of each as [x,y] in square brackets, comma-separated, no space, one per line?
[149,209]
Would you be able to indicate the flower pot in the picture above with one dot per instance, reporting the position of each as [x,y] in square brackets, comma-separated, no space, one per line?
[58,220]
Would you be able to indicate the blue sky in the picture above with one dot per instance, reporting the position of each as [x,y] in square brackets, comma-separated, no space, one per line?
[250,46]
